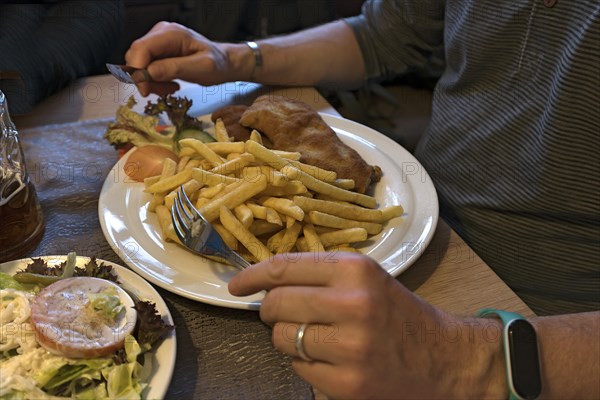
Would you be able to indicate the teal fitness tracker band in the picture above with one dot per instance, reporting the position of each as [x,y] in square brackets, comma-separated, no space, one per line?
[520,353]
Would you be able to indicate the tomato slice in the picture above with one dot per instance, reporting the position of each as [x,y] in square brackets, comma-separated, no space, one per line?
[160,128]
[123,150]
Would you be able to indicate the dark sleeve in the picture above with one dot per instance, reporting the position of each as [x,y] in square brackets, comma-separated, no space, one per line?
[400,36]
[51,45]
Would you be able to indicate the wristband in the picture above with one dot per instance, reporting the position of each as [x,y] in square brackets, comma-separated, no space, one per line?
[258,61]
[521,355]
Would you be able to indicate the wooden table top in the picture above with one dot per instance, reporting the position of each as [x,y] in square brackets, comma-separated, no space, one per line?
[449,274]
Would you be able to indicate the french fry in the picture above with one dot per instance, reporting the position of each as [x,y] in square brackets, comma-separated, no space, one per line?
[234,165]
[321,196]
[196,163]
[206,165]
[258,211]
[316,185]
[202,149]
[266,213]
[244,215]
[283,206]
[201,202]
[182,163]
[151,180]
[274,177]
[344,248]
[227,236]
[331,221]
[256,136]
[169,169]
[313,241]
[166,226]
[302,245]
[211,191]
[210,178]
[245,191]
[190,188]
[288,155]
[289,221]
[267,156]
[291,188]
[243,235]
[391,212]
[316,172]
[340,210]
[164,220]
[273,217]
[350,235]
[247,255]
[221,132]
[171,182]
[274,242]
[322,229]
[261,227]
[289,238]
[228,189]
[342,183]
[227,147]
[187,152]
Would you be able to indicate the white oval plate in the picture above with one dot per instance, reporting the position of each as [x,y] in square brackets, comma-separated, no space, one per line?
[134,233]
[163,363]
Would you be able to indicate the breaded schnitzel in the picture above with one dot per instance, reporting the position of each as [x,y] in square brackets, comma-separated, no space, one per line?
[230,115]
[293,126]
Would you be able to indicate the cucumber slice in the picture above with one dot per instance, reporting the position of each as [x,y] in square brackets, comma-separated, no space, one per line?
[196,134]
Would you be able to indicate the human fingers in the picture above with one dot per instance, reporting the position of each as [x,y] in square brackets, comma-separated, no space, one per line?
[163,40]
[308,304]
[159,88]
[303,269]
[283,269]
[320,342]
[203,67]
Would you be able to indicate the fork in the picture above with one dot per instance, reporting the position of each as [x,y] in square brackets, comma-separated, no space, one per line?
[197,234]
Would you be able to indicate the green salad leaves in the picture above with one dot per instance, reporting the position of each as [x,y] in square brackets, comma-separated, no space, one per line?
[132,128]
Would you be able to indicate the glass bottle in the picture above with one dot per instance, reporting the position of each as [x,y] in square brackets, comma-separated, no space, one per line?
[21,219]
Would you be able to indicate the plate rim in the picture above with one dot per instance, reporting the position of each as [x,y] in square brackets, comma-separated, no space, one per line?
[124,272]
[430,188]
[336,122]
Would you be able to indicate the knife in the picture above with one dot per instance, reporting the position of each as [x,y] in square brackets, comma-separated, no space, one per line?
[129,74]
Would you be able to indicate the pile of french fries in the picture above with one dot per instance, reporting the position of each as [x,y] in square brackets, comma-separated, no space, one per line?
[263,202]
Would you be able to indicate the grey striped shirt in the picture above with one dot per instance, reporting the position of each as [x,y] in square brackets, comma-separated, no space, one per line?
[513,146]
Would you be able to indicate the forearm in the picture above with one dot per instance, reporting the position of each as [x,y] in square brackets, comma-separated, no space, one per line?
[324,55]
[569,348]
[570,355]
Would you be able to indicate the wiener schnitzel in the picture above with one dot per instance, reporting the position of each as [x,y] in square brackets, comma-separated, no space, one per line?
[293,126]
[230,115]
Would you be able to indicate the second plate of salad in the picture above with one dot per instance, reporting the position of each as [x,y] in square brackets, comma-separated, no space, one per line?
[31,372]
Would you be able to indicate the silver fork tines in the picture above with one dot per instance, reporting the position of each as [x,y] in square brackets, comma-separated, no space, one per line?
[197,234]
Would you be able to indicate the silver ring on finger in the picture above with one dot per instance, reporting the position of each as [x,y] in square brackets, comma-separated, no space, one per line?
[300,343]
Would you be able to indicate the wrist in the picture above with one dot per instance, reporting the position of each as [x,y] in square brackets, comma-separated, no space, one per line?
[481,360]
[241,61]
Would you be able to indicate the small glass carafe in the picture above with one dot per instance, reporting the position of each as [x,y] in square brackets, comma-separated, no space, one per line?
[21,219]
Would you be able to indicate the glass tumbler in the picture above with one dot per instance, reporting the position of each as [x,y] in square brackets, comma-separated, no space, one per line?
[21,219]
